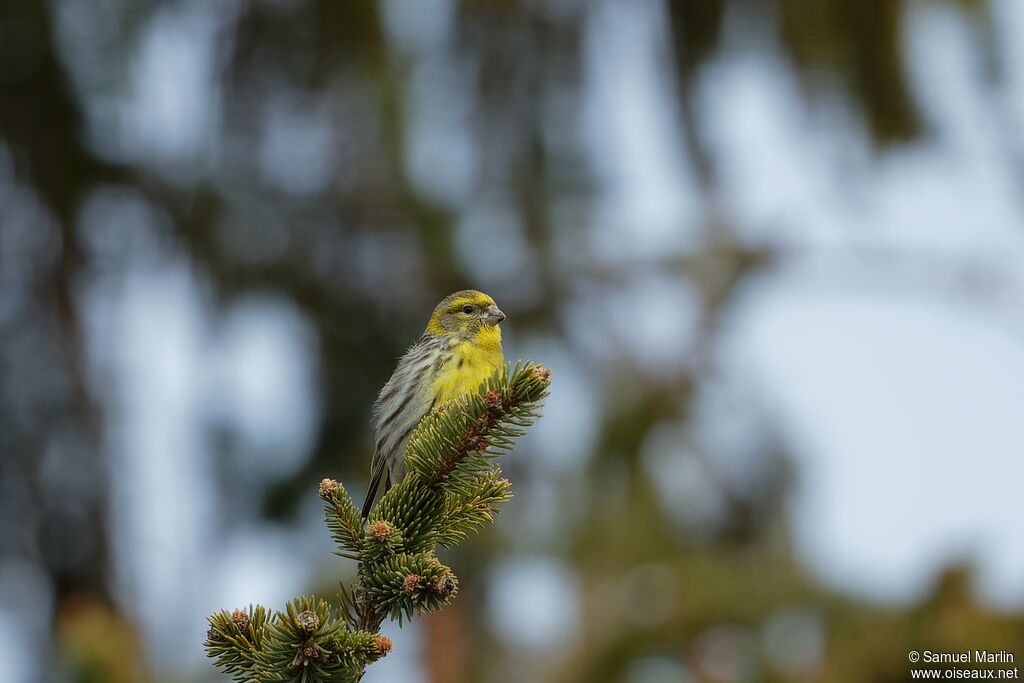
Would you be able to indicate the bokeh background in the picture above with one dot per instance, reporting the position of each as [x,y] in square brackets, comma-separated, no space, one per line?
[773,252]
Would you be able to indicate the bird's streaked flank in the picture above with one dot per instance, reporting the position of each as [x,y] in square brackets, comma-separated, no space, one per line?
[460,348]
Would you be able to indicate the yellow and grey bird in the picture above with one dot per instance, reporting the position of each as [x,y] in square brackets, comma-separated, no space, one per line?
[460,348]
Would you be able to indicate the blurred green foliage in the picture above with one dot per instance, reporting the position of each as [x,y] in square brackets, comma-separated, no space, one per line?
[365,254]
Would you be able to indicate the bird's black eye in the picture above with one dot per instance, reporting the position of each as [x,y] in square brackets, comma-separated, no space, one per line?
[467,309]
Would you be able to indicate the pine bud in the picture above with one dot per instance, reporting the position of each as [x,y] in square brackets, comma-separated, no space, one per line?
[444,585]
[213,635]
[308,621]
[492,399]
[327,487]
[383,644]
[411,583]
[308,652]
[541,373]
[241,619]
[380,530]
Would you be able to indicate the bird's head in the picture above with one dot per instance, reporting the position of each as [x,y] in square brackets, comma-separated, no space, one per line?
[466,314]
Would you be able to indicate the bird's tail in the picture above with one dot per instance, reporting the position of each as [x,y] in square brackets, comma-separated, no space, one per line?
[375,485]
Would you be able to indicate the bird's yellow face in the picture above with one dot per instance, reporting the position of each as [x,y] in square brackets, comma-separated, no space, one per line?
[467,315]
[469,321]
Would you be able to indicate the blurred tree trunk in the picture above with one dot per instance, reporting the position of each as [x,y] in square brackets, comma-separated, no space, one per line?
[42,127]
[444,648]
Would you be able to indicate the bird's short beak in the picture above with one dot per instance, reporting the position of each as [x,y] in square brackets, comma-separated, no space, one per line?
[493,315]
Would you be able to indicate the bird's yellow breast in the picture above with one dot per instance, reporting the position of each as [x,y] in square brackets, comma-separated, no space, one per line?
[471,362]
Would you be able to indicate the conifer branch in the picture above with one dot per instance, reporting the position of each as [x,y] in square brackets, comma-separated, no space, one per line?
[452,487]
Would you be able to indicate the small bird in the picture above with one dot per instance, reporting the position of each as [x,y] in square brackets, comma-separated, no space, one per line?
[460,348]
